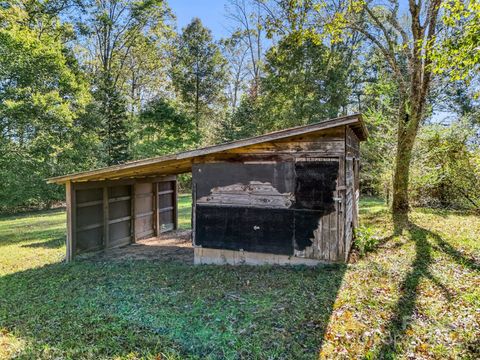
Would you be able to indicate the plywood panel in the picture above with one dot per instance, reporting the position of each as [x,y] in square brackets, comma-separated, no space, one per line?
[88,195]
[119,209]
[118,191]
[249,229]
[119,234]
[89,215]
[144,210]
[119,215]
[89,220]
[89,240]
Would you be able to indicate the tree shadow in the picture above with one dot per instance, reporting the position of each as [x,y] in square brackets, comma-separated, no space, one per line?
[49,244]
[114,309]
[42,228]
[41,237]
[405,307]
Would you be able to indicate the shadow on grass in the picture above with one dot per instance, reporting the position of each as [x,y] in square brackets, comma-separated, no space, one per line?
[46,238]
[107,309]
[40,228]
[49,244]
[28,214]
[405,307]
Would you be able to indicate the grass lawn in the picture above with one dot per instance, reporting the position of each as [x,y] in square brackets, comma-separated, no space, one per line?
[411,296]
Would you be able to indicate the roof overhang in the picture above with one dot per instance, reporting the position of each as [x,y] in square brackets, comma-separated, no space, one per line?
[182,162]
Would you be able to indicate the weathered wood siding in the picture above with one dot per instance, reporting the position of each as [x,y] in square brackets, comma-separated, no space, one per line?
[349,206]
[352,161]
[144,210]
[110,214]
[89,219]
[279,197]
[352,144]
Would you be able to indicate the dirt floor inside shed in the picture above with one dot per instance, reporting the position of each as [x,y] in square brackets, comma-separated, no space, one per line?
[171,246]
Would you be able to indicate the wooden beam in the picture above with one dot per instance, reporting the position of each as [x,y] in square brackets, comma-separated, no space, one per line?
[175,205]
[106,227]
[194,209]
[133,214]
[69,196]
[102,183]
[156,217]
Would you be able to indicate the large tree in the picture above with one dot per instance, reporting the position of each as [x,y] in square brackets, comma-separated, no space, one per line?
[120,39]
[43,95]
[247,18]
[199,73]
[235,52]
[304,82]
[407,50]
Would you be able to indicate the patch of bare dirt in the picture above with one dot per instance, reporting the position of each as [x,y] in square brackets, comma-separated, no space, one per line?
[171,246]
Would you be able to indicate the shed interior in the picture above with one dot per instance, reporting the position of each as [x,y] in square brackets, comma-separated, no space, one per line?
[110,214]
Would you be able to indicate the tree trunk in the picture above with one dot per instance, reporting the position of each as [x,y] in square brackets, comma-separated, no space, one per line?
[408,124]
[402,173]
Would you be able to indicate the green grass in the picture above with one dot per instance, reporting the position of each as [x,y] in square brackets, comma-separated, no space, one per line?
[415,295]
[184,211]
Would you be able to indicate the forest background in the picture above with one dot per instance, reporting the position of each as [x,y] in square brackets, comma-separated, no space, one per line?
[92,83]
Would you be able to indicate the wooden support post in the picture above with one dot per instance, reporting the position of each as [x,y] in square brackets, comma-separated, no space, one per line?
[106,227]
[70,241]
[156,208]
[133,214]
[175,205]
[194,209]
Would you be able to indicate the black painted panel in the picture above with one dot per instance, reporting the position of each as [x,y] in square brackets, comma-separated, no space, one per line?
[208,176]
[250,229]
[315,185]
[306,222]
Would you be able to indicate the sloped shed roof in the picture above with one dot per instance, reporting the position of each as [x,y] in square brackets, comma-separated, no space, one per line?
[182,162]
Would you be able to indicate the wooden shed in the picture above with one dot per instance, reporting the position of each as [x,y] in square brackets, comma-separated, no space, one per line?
[287,197]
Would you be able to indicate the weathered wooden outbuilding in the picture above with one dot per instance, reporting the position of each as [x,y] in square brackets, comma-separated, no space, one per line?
[287,197]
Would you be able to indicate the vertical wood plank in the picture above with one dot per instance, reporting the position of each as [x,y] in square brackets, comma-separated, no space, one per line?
[73,199]
[175,204]
[133,195]
[333,239]
[156,209]
[334,230]
[70,226]
[326,250]
[194,209]
[342,206]
[106,227]
[326,236]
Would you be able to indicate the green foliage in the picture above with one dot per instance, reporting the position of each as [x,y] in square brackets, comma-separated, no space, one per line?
[199,75]
[304,82]
[446,170]
[111,110]
[366,239]
[90,83]
[42,99]
[459,54]
[243,123]
[162,129]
